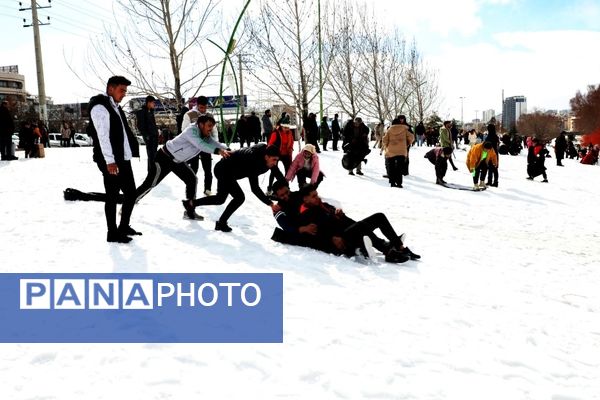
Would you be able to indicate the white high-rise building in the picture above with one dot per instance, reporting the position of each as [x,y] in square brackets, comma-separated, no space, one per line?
[487,115]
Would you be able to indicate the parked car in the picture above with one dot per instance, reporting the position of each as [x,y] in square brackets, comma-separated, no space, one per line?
[81,139]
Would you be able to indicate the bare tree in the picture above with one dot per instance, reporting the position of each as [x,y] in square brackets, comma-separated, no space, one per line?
[157,43]
[586,108]
[541,125]
[422,86]
[283,50]
[347,68]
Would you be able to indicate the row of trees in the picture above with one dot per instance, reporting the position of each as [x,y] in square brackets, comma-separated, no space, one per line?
[294,48]
[585,108]
[365,70]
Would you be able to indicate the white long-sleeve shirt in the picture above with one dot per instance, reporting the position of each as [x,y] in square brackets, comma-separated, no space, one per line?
[187,121]
[101,119]
[190,143]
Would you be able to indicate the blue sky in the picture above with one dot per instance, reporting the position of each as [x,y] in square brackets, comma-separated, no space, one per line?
[539,49]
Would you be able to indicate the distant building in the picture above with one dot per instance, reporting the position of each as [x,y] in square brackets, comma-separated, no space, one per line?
[512,109]
[12,84]
[487,115]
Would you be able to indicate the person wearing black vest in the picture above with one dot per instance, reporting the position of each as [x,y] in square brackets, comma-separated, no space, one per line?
[114,146]
[249,162]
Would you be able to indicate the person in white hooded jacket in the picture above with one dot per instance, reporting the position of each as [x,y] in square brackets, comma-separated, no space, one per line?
[173,156]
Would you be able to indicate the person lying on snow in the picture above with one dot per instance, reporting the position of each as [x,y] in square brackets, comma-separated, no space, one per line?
[306,220]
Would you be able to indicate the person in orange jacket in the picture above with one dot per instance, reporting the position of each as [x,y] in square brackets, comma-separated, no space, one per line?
[479,157]
[283,139]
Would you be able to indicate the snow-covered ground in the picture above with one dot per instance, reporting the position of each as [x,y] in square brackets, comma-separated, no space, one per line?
[505,303]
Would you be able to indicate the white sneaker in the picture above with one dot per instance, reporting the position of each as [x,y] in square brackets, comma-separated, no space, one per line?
[482,185]
[368,246]
[207,192]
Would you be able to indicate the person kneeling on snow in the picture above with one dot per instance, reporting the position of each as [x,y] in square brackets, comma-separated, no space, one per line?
[306,165]
[336,233]
[439,156]
[479,157]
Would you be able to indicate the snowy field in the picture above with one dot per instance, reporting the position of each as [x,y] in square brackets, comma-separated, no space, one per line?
[504,304]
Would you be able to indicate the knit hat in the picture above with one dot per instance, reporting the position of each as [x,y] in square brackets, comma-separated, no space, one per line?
[310,148]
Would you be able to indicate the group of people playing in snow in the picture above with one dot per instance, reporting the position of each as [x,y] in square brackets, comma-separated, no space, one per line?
[303,218]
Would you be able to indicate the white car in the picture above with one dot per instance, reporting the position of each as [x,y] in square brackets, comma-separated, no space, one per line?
[81,139]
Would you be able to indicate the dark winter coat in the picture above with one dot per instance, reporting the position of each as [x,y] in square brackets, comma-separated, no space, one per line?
[248,162]
[7,125]
[312,130]
[560,146]
[335,128]
[536,157]
[146,124]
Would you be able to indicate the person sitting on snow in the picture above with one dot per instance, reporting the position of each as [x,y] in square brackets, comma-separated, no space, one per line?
[292,231]
[338,234]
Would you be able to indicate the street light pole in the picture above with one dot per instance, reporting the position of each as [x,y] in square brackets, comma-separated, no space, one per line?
[462,121]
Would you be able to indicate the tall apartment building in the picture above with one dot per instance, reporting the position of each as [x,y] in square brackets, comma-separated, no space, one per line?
[487,115]
[512,109]
[12,84]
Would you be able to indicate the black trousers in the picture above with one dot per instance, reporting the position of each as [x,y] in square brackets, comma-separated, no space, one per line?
[5,145]
[441,166]
[492,174]
[395,167]
[287,162]
[354,233]
[226,185]
[325,140]
[335,141]
[113,184]
[160,168]
[480,172]
[206,160]
[304,174]
[151,149]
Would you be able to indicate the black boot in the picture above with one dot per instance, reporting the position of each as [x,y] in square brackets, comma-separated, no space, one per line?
[128,231]
[395,256]
[117,237]
[222,226]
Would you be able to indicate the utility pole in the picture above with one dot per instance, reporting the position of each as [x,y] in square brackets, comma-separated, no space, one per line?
[38,56]
[320,66]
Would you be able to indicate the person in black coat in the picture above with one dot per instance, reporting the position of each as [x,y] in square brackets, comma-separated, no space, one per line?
[560,146]
[179,119]
[536,157]
[335,131]
[493,138]
[312,130]
[248,163]
[357,147]
[254,128]
[146,124]
[7,128]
